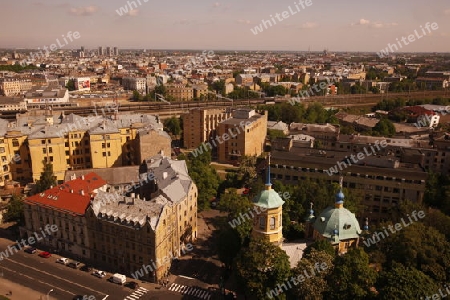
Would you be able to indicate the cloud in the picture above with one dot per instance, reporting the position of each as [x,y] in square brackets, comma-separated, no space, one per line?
[83,11]
[217,4]
[133,12]
[447,12]
[375,24]
[240,21]
[361,22]
[308,25]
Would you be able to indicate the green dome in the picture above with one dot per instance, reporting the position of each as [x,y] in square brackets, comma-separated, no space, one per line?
[337,224]
[268,199]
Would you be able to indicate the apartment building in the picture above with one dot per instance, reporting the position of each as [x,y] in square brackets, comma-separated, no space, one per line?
[14,86]
[381,181]
[73,142]
[200,125]
[133,232]
[180,92]
[118,227]
[13,104]
[135,84]
[200,91]
[63,206]
[243,134]
[327,133]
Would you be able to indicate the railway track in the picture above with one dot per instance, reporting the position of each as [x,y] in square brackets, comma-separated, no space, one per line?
[154,107]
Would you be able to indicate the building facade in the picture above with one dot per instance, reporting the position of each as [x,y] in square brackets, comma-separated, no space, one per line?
[72,142]
[243,134]
[14,86]
[200,125]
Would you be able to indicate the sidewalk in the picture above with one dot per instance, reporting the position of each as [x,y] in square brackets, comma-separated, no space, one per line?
[19,292]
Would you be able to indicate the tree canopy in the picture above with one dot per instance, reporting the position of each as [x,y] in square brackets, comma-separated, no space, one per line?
[260,267]
[47,178]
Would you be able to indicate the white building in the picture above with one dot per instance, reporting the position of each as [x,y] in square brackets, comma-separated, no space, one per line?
[47,95]
[134,83]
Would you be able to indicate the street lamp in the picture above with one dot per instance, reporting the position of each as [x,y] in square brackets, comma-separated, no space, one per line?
[49,293]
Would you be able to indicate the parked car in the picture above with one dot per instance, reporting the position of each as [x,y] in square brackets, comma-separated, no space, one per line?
[45,254]
[132,285]
[86,268]
[30,250]
[62,260]
[74,264]
[99,274]
[118,278]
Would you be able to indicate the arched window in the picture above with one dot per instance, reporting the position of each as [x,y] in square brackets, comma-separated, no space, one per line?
[272,223]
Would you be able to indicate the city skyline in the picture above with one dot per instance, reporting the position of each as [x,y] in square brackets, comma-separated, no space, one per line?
[141,24]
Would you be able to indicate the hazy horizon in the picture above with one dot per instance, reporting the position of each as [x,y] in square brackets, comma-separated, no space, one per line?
[346,26]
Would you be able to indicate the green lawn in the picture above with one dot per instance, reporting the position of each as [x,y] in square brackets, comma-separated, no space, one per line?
[4,298]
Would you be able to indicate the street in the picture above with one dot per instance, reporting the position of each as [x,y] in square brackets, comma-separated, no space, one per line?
[44,274]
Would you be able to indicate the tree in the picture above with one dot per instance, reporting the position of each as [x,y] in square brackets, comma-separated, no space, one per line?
[274,134]
[173,126]
[320,245]
[47,179]
[404,283]
[421,247]
[204,176]
[70,85]
[219,87]
[247,169]
[352,277]
[236,205]
[260,267]
[14,210]
[228,245]
[136,96]
[318,265]
[384,128]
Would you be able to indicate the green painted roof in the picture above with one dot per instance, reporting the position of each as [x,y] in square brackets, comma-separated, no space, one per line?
[341,219]
[268,199]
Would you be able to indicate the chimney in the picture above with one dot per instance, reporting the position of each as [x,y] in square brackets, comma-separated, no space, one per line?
[82,177]
[164,175]
[71,191]
[82,192]
[132,195]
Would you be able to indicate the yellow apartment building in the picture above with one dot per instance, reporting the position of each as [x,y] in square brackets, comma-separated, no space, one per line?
[73,142]
[243,134]
[200,125]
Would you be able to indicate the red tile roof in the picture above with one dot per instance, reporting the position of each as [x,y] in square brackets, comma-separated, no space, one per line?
[418,110]
[71,196]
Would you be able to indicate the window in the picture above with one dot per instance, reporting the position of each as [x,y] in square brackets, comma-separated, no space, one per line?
[104,154]
[50,150]
[15,143]
[272,223]
[262,223]
[44,150]
[2,150]
[43,142]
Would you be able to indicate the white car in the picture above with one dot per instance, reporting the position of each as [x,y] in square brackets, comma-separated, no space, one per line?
[62,260]
[99,274]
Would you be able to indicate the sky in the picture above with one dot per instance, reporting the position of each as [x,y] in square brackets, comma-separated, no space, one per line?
[343,25]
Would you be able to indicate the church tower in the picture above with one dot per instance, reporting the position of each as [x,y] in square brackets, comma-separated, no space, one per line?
[268,206]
